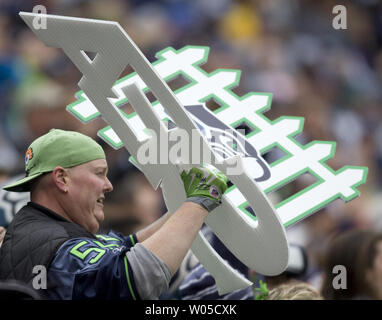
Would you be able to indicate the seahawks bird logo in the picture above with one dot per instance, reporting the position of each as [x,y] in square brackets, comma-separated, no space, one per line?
[224,140]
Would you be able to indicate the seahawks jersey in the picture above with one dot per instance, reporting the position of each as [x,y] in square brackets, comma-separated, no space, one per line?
[85,268]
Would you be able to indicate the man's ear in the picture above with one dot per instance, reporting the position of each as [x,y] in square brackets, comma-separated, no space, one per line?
[61,178]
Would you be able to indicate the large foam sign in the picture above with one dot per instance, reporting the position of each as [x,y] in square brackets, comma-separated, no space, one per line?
[265,135]
[257,240]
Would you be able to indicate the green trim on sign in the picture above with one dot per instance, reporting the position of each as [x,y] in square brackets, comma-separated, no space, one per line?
[243,206]
[336,196]
[133,161]
[101,133]
[80,98]
[252,126]
[276,145]
[231,188]
[306,169]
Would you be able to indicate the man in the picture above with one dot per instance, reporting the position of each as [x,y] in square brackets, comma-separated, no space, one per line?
[66,174]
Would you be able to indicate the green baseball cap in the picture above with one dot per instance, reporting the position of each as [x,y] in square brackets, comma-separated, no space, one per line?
[56,148]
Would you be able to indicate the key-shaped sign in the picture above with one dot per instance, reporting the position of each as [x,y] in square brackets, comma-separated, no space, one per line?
[262,246]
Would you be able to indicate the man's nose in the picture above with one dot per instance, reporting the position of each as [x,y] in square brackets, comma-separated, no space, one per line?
[109,186]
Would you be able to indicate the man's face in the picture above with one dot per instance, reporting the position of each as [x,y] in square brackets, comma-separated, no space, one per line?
[87,186]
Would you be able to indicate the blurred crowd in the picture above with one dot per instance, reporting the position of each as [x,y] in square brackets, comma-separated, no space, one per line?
[332,78]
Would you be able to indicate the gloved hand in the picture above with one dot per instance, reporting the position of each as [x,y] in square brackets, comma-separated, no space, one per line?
[205,186]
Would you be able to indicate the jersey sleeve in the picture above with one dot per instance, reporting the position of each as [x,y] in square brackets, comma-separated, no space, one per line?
[85,268]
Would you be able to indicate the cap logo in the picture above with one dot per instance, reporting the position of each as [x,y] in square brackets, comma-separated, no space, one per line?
[28,155]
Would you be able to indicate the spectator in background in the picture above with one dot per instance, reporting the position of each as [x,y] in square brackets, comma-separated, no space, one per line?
[294,290]
[372,264]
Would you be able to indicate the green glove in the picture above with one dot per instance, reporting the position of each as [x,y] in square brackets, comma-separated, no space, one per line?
[204,185]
